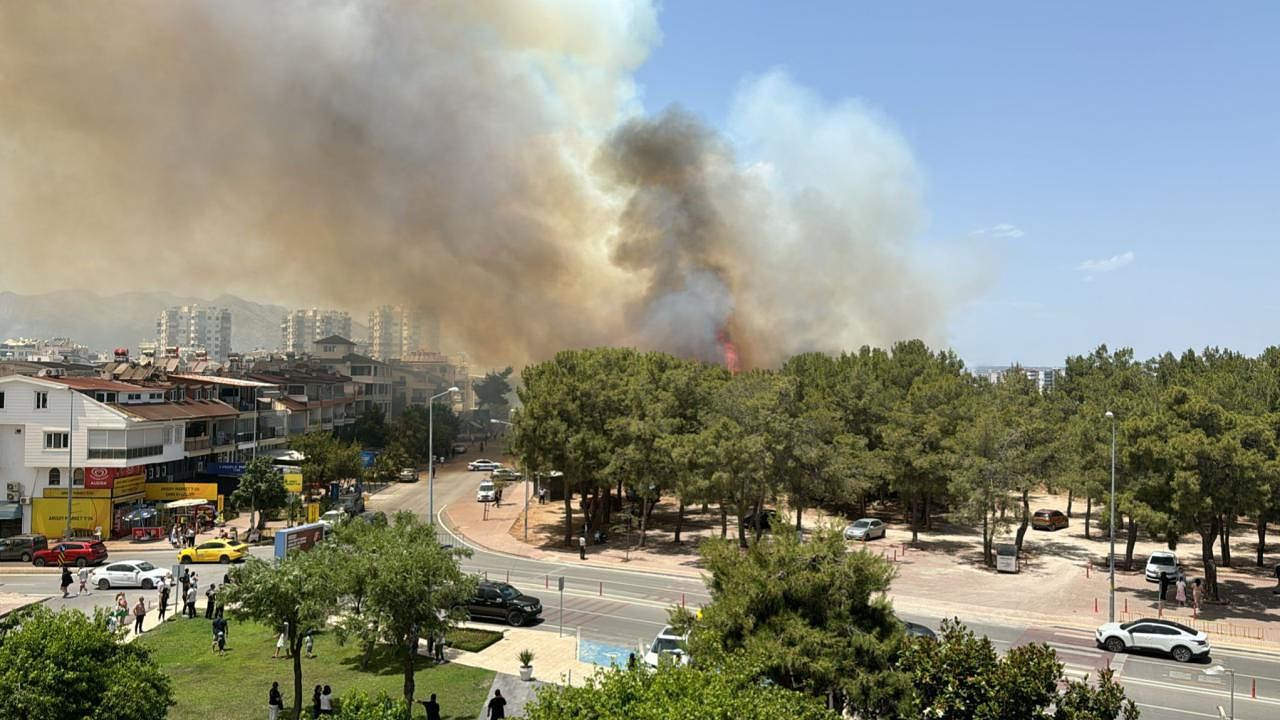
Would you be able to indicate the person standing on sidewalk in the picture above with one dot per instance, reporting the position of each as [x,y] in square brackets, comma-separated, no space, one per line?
[139,612]
[582,546]
[1181,594]
[163,604]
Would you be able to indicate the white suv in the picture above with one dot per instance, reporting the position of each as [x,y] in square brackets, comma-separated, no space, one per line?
[1162,561]
[486,493]
[1164,636]
[670,644]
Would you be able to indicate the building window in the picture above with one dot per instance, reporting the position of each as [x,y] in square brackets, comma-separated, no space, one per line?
[55,476]
[56,441]
[328,348]
[77,479]
[1,401]
[135,396]
[42,400]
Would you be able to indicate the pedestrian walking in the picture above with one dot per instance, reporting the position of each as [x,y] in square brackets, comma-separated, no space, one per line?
[1181,593]
[139,612]
[440,646]
[582,546]
[84,580]
[309,643]
[220,635]
[209,596]
[66,581]
[326,701]
[497,706]
[431,707]
[1197,595]
[275,703]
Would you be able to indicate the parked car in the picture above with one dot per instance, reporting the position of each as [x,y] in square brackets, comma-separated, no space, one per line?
[127,573]
[408,475]
[1154,635]
[331,518]
[1162,561]
[219,551]
[916,630]
[1049,520]
[670,644]
[483,464]
[459,448]
[72,552]
[865,529]
[500,601]
[768,517]
[22,547]
[505,473]
[486,492]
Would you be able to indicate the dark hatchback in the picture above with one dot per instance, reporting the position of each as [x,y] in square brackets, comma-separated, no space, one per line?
[500,601]
[22,547]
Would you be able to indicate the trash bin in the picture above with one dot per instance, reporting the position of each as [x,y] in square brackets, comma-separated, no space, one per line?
[1007,558]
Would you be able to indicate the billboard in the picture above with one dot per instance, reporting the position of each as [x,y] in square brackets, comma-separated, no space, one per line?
[49,515]
[293,482]
[225,469]
[181,491]
[302,537]
[100,477]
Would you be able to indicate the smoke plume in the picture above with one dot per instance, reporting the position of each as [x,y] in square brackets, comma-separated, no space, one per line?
[486,162]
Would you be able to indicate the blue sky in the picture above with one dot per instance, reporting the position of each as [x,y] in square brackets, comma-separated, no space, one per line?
[1134,151]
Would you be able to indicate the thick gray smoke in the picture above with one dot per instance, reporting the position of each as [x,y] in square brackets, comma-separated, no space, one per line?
[483,161]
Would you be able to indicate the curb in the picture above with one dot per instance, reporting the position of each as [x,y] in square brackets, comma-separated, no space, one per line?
[478,545]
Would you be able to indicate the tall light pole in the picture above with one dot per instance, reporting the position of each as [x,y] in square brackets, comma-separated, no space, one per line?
[71,473]
[1111,562]
[1219,670]
[496,421]
[431,453]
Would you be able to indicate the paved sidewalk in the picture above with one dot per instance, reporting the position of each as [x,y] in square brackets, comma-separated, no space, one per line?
[555,659]
[517,693]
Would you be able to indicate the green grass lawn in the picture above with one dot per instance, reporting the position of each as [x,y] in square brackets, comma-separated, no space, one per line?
[211,687]
[471,639]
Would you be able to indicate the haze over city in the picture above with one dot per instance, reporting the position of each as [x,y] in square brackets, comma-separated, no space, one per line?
[1019,183]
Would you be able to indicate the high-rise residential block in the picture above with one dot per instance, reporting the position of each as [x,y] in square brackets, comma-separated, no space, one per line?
[300,328]
[196,327]
[394,332]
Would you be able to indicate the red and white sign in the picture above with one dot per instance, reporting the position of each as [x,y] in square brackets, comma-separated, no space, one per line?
[100,477]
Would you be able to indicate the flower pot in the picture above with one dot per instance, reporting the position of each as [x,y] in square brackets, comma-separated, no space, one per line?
[526,673]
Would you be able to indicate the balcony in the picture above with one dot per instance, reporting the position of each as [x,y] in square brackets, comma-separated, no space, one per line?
[125,453]
[221,439]
[196,443]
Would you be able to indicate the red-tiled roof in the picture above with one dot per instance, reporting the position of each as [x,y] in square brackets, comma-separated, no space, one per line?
[186,409]
[292,404]
[221,380]
[88,383]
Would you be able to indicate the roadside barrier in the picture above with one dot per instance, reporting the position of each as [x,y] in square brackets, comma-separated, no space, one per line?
[1220,628]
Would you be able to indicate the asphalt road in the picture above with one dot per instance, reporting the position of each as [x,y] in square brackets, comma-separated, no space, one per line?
[624,607]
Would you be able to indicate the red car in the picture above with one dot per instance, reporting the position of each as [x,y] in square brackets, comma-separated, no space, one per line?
[72,552]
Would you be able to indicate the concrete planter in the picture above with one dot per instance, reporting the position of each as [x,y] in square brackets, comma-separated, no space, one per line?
[526,673]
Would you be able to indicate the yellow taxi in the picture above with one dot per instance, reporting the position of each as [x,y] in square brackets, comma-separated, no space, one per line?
[219,551]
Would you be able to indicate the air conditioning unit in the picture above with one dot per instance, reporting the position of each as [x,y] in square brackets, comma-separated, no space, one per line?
[26,500]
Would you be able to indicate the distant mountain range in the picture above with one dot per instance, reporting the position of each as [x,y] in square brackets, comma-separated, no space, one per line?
[103,322]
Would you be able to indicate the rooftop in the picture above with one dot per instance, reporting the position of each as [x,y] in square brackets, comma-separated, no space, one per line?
[221,380]
[90,383]
[334,340]
[183,409]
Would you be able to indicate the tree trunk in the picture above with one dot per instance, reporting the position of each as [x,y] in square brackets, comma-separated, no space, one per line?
[704,508]
[679,521]
[742,532]
[755,521]
[1130,541]
[724,521]
[295,643]
[1262,539]
[915,518]
[928,513]
[644,517]
[1088,515]
[1071,495]
[1207,538]
[1224,540]
[986,537]
[799,513]
[1026,518]
[369,645]
[407,668]
[568,513]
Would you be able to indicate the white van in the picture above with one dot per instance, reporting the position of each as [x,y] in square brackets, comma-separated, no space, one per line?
[486,492]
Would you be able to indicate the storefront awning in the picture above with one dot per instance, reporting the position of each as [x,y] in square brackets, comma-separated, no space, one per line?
[10,511]
[189,502]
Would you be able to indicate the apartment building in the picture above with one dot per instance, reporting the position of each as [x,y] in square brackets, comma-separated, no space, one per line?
[196,327]
[301,328]
[394,331]
[370,378]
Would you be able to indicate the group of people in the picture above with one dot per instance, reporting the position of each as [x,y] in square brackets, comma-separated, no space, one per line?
[1183,593]
[321,701]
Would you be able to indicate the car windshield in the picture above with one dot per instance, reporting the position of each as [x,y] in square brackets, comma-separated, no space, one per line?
[862,524]
[1162,560]
[508,592]
[146,566]
[665,645]
[486,486]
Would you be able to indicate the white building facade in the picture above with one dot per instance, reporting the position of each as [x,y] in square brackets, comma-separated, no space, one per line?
[196,327]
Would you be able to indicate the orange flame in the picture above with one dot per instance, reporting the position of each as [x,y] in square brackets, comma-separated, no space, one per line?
[729,351]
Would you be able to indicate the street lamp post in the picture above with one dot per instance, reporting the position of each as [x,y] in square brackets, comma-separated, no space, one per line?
[431,453]
[496,421]
[1111,561]
[1219,670]
[71,473]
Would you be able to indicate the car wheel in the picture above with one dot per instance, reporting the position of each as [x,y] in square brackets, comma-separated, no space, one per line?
[39,562]
[515,618]
[186,559]
[104,584]
[224,559]
[26,557]
[81,562]
[1181,653]
[147,584]
[1113,644]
